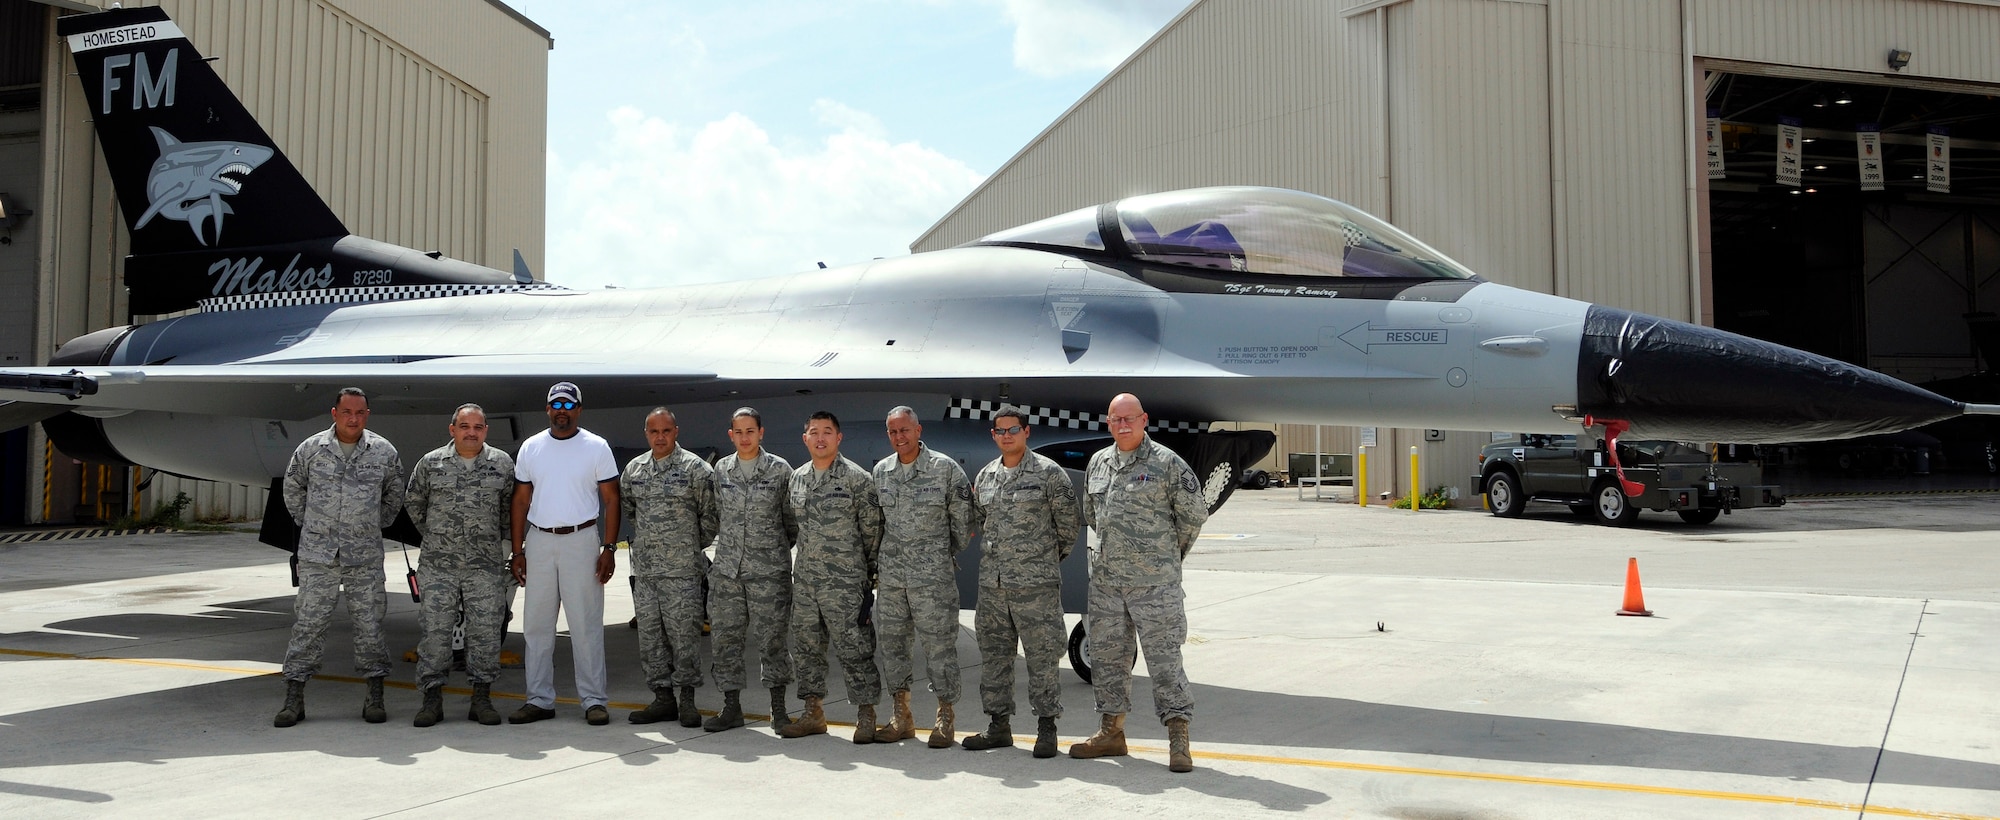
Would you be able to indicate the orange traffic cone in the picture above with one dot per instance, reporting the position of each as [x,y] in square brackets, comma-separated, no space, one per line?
[1635,600]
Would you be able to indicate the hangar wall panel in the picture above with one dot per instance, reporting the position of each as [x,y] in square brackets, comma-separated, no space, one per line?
[392,142]
[1947,39]
[1470,130]
[1620,157]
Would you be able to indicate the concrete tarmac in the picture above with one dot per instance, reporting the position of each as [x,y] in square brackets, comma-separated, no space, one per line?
[1836,657]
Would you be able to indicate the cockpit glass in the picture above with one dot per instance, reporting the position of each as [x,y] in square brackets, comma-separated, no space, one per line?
[1274,231]
[1249,230]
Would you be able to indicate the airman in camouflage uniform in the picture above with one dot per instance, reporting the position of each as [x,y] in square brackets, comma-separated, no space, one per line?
[459,498]
[840,535]
[1026,513]
[1146,505]
[926,513]
[343,486]
[750,583]
[668,495]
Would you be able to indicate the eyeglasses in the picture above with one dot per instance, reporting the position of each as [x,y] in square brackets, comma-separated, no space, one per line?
[1009,431]
[1124,419]
[562,405]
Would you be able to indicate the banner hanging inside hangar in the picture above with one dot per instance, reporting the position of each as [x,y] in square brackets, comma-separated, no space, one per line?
[1937,176]
[1714,143]
[1868,155]
[1788,150]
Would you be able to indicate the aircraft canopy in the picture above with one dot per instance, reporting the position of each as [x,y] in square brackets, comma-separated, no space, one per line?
[1241,230]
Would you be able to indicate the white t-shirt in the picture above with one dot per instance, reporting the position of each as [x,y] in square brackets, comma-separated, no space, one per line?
[565,473]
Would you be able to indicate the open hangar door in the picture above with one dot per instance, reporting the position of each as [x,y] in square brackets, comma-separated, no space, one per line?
[1904,280]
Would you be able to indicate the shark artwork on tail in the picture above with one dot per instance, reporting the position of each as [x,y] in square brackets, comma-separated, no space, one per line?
[190,179]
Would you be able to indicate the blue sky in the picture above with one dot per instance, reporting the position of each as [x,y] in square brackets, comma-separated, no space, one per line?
[703,141]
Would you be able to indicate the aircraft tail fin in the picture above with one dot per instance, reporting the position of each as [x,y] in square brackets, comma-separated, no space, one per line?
[193,170]
[218,216]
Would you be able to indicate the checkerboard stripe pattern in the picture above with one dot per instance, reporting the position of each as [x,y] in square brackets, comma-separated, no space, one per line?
[977,409]
[339,296]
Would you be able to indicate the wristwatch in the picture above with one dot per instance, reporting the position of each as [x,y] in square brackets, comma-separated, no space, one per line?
[610,547]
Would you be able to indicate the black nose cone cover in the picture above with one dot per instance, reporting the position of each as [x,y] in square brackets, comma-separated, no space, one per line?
[1674,380]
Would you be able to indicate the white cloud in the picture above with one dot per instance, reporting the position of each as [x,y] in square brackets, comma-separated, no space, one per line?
[660,203]
[835,115]
[1057,37]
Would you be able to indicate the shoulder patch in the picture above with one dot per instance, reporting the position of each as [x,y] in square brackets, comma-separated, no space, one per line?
[965,492]
[1188,482]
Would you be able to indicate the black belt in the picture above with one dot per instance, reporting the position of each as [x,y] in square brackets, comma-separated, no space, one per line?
[567,530]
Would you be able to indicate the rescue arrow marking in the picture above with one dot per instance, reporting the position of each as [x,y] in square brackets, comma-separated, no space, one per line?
[1371,336]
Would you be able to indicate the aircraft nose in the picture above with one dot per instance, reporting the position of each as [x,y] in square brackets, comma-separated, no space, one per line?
[1674,380]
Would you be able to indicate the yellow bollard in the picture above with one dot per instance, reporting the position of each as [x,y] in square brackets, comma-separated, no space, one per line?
[1361,474]
[1413,478]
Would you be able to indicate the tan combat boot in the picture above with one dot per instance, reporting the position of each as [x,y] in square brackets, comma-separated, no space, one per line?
[1108,742]
[942,734]
[812,721]
[1179,759]
[864,724]
[902,725]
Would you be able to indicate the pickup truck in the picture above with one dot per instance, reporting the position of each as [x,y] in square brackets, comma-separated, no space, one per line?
[1677,477]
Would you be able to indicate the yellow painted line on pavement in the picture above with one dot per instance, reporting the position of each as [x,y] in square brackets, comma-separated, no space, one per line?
[1599,785]
[1376,768]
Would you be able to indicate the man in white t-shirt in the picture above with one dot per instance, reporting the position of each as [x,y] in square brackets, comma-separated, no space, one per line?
[566,486]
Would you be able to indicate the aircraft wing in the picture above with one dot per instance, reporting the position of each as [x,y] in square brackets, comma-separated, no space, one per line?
[431,386]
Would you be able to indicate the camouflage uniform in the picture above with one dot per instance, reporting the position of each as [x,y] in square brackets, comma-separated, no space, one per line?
[926,516]
[668,505]
[1147,508]
[1028,520]
[840,534]
[342,503]
[462,511]
[750,583]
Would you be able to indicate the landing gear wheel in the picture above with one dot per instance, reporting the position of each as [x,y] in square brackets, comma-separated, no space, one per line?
[1611,506]
[1079,657]
[1699,517]
[1503,494]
